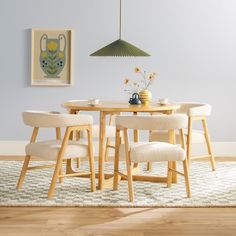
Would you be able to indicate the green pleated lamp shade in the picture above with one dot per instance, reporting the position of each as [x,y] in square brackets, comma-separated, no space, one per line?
[120,48]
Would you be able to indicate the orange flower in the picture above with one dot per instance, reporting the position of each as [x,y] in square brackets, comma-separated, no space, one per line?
[152,76]
[126,81]
[137,69]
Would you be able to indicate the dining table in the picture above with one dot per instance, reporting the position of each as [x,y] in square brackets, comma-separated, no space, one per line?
[105,108]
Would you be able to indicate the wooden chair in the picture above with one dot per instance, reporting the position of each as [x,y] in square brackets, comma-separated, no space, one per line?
[195,112]
[59,149]
[150,151]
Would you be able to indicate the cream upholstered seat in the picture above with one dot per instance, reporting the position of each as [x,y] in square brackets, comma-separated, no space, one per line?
[198,112]
[49,150]
[60,148]
[153,152]
[150,151]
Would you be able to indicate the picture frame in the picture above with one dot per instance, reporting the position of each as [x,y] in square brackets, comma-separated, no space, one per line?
[51,57]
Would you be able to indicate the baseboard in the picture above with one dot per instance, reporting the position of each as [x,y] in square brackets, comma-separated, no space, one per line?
[220,149]
[12,148]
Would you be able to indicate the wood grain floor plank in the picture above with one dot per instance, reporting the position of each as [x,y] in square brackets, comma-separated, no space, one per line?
[57,221]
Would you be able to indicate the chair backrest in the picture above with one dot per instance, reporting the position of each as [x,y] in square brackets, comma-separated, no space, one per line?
[194,109]
[47,119]
[155,122]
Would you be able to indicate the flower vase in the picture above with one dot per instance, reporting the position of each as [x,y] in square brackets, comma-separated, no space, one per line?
[145,96]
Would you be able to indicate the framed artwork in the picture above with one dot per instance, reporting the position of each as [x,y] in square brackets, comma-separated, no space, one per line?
[51,57]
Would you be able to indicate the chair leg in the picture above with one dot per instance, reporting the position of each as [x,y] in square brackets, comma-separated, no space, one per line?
[116,175]
[189,139]
[91,161]
[128,164]
[107,149]
[116,161]
[92,170]
[77,137]
[60,173]
[23,172]
[208,142]
[169,174]
[186,177]
[78,162]
[130,179]
[54,178]
[149,166]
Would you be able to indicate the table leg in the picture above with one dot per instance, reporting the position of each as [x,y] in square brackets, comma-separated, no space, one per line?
[135,130]
[69,162]
[136,138]
[101,149]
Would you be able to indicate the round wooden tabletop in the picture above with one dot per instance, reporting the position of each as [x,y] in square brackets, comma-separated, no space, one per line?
[118,106]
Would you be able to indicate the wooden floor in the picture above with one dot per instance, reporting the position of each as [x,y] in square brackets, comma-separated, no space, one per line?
[58,221]
[24,221]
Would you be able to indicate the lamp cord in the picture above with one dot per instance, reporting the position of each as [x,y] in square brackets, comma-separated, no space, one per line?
[120,21]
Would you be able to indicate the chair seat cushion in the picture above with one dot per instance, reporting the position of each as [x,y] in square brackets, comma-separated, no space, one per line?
[162,136]
[110,132]
[153,151]
[49,149]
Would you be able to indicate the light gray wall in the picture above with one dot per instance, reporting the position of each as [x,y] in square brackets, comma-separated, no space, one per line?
[192,43]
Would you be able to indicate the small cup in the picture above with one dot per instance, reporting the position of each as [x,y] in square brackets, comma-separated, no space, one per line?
[93,101]
[163,101]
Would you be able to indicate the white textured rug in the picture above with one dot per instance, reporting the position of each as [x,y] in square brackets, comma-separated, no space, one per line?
[209,189]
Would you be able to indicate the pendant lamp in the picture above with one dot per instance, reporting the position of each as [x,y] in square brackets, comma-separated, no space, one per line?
[120,48]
